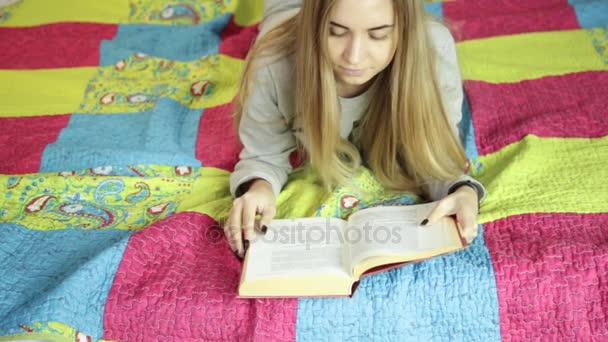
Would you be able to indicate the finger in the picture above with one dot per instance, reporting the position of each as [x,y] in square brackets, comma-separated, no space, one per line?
[443,208]
[233,230]
[468,225]
[267,216]
[463,240]
[249,212]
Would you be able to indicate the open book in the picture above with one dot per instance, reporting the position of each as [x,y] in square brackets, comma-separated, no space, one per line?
[319,256]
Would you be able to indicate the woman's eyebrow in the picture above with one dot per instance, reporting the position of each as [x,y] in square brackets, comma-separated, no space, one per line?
[371,29]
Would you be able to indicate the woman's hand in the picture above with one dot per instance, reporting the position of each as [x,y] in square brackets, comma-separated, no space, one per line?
[464,204]
[239,229]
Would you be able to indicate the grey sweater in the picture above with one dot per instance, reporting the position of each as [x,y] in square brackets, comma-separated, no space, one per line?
[267,125]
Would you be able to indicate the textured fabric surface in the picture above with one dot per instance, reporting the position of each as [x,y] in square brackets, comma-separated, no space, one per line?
[65,45]
[546,172]
[450,298]
[163,135]
[550,271]
[514,58]
[35,92]
[217,150]
[177,280]
[567,106]
[481,19]
[24,139]
[57,276]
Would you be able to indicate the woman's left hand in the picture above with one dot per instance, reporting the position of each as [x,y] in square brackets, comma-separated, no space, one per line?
[463,204]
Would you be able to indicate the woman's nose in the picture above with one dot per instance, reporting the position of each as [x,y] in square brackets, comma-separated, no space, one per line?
[353,52]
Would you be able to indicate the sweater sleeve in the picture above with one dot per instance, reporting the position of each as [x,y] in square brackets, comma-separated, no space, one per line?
[266,137]
[272,7]
[264,132]
[452,96]
[276,12]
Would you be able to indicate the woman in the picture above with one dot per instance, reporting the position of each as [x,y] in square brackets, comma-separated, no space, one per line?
[320,68]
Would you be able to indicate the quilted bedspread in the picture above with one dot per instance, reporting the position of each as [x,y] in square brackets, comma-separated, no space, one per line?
[116,145]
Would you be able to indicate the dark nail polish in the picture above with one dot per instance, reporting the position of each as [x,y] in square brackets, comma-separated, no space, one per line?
[236,253]
[246,245]
[424,222]
[264,229]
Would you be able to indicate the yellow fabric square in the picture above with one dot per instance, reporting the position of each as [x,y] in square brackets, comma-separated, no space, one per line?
[42,91]
[136,83]
[528,56]
[95,198]
[544,175]
[38,12]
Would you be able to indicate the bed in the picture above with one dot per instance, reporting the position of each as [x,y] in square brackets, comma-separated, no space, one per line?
[116,147]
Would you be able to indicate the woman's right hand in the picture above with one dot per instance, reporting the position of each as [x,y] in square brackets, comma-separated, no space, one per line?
[239,229]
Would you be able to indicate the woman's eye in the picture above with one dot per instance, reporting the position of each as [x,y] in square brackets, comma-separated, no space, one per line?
[336,33]
[379,37]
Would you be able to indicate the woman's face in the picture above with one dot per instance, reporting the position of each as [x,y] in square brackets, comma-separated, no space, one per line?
[362,41]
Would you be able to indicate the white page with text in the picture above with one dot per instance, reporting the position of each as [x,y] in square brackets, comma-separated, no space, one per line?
[299,246]
[394,231]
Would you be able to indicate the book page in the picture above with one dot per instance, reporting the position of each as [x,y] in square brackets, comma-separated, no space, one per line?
[294,247]
[396,231]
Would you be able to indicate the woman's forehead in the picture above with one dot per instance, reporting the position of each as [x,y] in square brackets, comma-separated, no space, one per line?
[363,14]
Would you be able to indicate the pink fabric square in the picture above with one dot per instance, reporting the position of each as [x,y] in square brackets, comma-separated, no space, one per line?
[551,276]
[566,106]
[473,19]
[216,143]
[236,40]
[23,139]
[178,281]
[60,45]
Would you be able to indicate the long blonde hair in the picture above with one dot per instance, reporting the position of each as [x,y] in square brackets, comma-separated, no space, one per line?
[404,136]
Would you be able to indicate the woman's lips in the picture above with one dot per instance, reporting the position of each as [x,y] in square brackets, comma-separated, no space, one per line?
[351,72]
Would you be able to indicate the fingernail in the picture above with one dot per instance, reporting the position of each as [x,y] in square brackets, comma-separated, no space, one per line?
[264,229]
[424,222]
[236,253]
[246,245]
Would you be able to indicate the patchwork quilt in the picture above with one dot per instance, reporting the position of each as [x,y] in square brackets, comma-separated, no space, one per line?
[116,145]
